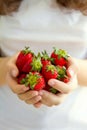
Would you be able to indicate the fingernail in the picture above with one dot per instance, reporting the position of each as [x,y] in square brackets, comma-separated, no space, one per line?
[51,83]
[71,72]
[14,73]
[25,89]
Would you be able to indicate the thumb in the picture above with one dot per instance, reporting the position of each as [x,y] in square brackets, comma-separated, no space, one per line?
[72,68]
[12,68]
[14,71]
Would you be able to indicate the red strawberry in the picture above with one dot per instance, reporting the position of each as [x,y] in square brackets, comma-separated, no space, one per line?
[35,81]
[66,80]
[21,79]
[24,60]
[60,57]
[49,72]
[61,72]
[47,87]
[51,89]
[45,59]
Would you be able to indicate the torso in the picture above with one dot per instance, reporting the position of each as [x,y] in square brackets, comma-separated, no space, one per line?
[40,28]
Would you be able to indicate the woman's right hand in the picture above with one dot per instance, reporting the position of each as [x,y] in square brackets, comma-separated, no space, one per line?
[30,97]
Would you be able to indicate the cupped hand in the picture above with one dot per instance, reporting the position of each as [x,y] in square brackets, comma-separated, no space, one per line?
[23,92]
[50,99]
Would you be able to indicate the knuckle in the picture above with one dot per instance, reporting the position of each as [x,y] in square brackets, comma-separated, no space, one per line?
[21,89]
[36,99]
[13,90]
[68,90]
[28,102]
[50,105]
[20,97]
[57,103]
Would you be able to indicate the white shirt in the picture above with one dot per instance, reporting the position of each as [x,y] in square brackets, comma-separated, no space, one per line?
[40,25]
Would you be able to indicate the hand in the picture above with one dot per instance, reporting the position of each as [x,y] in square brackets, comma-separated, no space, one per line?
[50,99]
[30,97]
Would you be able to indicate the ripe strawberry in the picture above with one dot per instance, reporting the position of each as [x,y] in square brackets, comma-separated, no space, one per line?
[51,89]
[49,72]
[66,80]
[47,87]
[35,81]
[36,64]
[60,57]
[61,72]
[24,60]
[45,59]
[21,79]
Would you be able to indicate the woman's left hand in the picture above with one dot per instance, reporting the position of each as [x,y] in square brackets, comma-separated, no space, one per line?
[50,99]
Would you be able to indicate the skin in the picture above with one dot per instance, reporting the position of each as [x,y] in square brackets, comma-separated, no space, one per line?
[76,69]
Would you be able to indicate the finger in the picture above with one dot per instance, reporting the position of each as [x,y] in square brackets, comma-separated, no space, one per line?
[60,86]
[15,87]
[28,95]
[33,100]
[50,99]
[38,104]
[72,66]
[12,68]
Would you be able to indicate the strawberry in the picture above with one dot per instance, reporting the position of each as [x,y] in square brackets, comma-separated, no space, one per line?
[60,57]
[51,89]
[35,81]
[47,87]
[45,59]
[21,79]
[66,80]
[24,60]
[36,64]
[61,72]
[49,72]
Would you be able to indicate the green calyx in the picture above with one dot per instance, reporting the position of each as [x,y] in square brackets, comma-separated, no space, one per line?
[53,90]
[32,80]
[51,68]
[61,72]
[36,64]
[61,53]
[26,51]
[45,55]
[23,81]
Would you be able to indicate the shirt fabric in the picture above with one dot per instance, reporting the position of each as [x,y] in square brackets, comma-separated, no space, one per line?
[40,25]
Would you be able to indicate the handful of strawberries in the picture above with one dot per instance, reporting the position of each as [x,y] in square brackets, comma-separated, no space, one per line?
[35,71]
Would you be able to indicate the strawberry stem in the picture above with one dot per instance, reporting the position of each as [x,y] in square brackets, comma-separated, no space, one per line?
[32,80]
[53,90]
[51,68]
[61,53]
[36,64]
[27,50]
